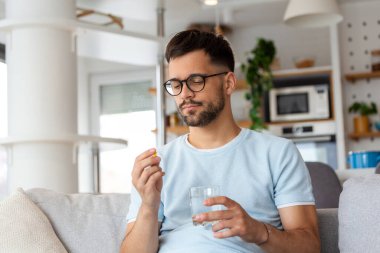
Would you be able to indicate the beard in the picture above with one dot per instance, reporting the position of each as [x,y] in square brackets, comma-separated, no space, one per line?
[205,117]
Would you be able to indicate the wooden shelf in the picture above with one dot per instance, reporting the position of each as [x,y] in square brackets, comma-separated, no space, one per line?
[243,85]
[240,85]
[178,130]
[363,75]
[152,91]
[356,136]
[281,123]
[244,123]
[301,71]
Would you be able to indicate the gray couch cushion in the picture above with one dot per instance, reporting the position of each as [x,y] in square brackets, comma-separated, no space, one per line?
[24,227]
[85,222]
[359,219]
[326,185]
[328,229]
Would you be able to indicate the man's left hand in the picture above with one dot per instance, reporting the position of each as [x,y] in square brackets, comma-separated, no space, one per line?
[234,221]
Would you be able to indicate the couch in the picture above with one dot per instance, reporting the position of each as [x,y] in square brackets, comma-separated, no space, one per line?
[40,220]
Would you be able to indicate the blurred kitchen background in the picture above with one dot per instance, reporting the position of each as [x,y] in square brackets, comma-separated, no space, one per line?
[117,106]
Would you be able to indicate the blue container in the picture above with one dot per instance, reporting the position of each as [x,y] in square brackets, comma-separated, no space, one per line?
[377,125]
[363,159]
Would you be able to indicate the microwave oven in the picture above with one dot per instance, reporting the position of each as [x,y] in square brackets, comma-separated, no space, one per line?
[295,103]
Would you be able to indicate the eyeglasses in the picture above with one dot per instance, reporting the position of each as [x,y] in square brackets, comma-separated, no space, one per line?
[195,83]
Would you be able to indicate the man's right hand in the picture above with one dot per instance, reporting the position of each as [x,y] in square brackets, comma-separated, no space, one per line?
[147,178]
[142,234]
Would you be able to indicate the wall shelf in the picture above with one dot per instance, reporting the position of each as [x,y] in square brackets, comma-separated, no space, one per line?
[357,136]
[185,129]
[240,85]
[301,71]
[362,75]
[281,123]
[179,130]
[243,85]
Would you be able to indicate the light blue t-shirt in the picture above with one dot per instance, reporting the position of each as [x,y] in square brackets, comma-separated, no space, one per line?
[259,171]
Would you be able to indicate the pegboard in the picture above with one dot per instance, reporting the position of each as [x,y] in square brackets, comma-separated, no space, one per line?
[359,35]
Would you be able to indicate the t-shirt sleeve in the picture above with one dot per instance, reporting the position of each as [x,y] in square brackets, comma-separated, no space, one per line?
[292,184]
[135,206]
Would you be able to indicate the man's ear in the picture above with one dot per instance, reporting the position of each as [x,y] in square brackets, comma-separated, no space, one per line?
[231,82]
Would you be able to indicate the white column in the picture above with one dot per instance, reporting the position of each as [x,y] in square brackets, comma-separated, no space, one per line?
[87,167]
[338,98]
[42,93]
[160,72]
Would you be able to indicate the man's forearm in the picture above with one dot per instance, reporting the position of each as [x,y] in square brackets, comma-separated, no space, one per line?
[299,240]
[143,237]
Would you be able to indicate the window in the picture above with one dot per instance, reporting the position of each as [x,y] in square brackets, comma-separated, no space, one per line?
[123,109]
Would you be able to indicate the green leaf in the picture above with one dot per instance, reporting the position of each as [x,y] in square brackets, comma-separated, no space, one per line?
[363,108]
[259,76]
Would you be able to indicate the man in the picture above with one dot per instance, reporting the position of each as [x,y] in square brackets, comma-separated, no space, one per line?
[266,188]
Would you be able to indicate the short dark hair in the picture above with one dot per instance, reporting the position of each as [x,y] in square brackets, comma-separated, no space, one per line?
[216,46]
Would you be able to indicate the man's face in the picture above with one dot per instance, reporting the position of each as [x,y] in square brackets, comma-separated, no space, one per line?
[198,109]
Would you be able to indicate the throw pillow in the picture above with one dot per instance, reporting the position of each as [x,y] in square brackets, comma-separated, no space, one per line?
[25,228]
[85,222]
[359,219]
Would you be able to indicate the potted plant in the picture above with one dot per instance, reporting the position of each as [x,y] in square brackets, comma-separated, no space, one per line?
[259,77]
[361,122]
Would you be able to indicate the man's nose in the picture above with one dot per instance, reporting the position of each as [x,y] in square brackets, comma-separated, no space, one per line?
[186,92]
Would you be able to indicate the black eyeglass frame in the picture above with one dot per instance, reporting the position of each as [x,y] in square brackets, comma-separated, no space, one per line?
[204,77]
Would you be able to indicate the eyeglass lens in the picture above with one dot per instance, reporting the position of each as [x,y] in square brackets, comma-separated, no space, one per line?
[195,83]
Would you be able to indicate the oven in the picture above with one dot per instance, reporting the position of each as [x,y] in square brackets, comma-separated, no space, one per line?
[314,140]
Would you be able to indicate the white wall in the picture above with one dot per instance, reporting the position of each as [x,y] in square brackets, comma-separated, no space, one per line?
[2,15]
[354,49]
[86,68]
[290,42]
[359,34]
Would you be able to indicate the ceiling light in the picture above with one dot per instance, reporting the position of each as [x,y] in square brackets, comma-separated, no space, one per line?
[312,13]
[210,2]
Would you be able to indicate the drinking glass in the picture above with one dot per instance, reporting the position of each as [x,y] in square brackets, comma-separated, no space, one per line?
[197,196]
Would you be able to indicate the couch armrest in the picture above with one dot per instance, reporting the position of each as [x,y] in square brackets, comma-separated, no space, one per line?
[359,218]
[328,229]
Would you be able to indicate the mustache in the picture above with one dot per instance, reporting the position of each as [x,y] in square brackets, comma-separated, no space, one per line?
[189,102]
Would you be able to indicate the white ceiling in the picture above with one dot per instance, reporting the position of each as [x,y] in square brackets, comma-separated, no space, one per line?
[140,15]
[180,13]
